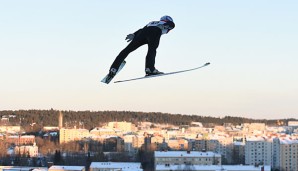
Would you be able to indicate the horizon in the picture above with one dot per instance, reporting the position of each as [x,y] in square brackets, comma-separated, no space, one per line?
[54,54]
[93,111]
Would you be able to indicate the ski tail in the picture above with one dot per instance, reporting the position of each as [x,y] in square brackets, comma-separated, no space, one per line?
[107,79]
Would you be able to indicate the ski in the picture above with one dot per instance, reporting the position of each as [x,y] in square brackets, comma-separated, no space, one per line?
[107,79]
[169,73]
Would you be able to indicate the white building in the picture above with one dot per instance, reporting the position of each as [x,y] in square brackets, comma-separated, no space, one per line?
[67,135]
[123,126]
[66,168]
[103,131]
[22,168]
[293,123]
[129,143]
[275,153]
[222,145]
[186,157]
[28,150]
[115,166]
[10,129]
[288,154]
[258,151]
[211,168]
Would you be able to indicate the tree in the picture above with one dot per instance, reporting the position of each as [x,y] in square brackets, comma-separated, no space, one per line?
[57,158]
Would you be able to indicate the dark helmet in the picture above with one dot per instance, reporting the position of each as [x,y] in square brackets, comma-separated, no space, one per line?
[166,18]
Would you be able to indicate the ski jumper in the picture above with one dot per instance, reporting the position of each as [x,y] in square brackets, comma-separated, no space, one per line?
[150,34]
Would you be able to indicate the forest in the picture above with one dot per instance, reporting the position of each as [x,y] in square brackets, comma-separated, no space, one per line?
[91,119]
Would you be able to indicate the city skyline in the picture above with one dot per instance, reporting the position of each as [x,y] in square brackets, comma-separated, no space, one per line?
[233,145]
[250,144]
[54,54]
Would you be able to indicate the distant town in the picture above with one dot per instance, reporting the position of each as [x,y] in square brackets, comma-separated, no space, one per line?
[130,144]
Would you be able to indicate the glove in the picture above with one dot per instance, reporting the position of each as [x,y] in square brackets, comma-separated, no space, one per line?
[129,37]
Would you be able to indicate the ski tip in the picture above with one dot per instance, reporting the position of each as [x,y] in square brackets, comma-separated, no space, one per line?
[208,63]
[104,82]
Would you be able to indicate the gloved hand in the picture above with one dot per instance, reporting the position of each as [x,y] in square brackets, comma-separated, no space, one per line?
[129,37]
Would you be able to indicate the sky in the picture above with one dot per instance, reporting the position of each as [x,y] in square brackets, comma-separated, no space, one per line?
[53,54]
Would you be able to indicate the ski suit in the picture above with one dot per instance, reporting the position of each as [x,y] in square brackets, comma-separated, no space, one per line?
[150,34]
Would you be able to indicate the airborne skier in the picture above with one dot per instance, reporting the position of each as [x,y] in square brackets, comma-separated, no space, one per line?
[150,34]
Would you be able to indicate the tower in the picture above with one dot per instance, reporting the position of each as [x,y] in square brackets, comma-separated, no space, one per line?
[60,122]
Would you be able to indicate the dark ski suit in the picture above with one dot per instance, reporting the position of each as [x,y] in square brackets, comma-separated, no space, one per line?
[150,35]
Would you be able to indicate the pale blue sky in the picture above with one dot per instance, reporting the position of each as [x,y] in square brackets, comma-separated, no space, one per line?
[54,54]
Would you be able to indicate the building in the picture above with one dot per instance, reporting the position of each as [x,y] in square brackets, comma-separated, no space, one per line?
[275,153]
[10,129]
[238,154]
[288,155]
[128,144]
[222,145]
[21,140]
[67,135]
[22,168]
[60,120]
[66,168]
[139,141]
[178,144]
[124,126]
[27,150]
[293,123]
[186,157]
[199,145]
[113,144]
[258,151]
[50,128]
[157,142]
[211,168]
[253,128]
[218,144]
[115,166]
[103,131]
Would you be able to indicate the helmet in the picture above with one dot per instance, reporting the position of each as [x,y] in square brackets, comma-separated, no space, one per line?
[166,18]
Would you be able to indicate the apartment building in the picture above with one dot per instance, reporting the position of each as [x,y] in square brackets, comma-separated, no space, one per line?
[218,144]
[238,153]
[10,129]
[22,168]
[253,128]
[128,143]
[115,166]
[186,157]
[178,144]
[293,123]
[222,145]
[258,150]
[124,126]
[27,150]
[67,135]
[288,155]
[138,141]
[211,168]
[157,139]
[21,140]
[66,168]
[102,131]
[113,144]
[275,153]
[198,145]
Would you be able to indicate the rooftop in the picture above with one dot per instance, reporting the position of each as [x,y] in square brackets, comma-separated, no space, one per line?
[123,165]
[212,167]
[56,167]
[185,154]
